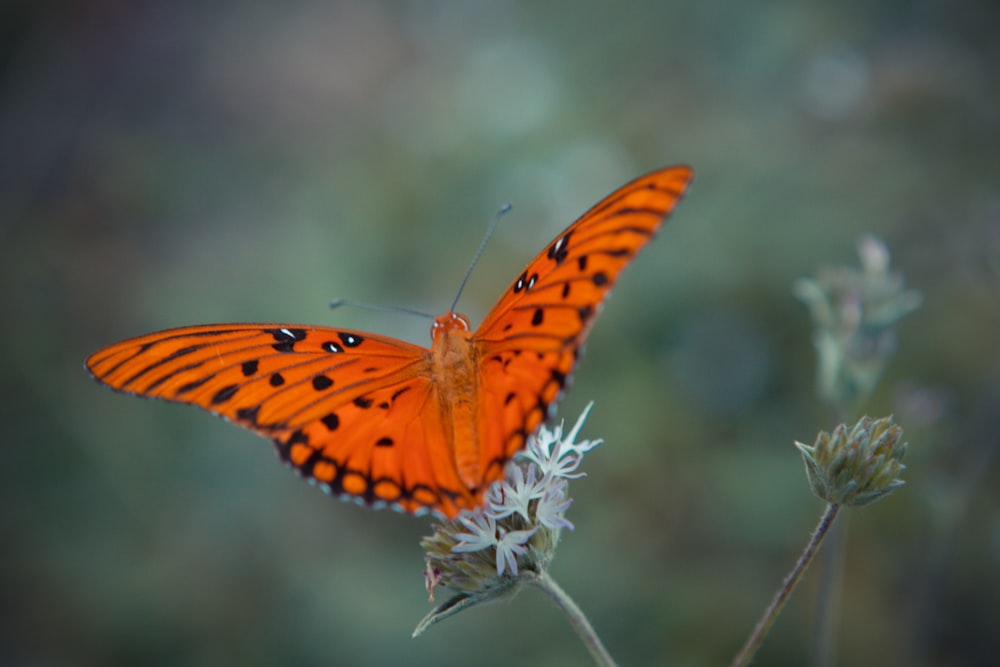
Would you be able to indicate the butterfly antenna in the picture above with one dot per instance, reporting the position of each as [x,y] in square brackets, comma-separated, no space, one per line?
[337,303]
[479,253]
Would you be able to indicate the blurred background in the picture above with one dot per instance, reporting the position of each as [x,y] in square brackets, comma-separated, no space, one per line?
[169,163]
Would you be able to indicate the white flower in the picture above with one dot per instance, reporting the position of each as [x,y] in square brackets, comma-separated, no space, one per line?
[514,495]
[552,506]
[483,535]
[511,545]
[558,456]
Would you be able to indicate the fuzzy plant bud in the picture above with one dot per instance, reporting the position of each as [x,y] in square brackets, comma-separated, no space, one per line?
[856,466]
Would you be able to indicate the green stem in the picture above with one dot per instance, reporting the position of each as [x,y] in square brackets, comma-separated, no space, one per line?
[828,598]
[575,616]
[787,586]
[830,583]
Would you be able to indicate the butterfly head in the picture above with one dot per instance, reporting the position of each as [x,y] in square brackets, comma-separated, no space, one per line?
[451,322]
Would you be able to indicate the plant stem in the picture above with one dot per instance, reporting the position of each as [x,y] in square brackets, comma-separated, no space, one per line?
[575,616]
[830,584]
[787,586]
[828,605]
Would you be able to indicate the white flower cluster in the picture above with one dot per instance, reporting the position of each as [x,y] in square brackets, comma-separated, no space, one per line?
[533,497]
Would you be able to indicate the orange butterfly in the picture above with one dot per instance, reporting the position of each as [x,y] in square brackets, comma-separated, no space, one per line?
[385,422]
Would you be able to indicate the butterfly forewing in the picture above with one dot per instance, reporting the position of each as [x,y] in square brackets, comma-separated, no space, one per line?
[530,341]
[281,369]
[346,408]
[555,298]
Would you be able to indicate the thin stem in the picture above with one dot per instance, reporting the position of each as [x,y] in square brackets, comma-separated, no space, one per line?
[828,606]
[831,575]
[575,616]
[787,586]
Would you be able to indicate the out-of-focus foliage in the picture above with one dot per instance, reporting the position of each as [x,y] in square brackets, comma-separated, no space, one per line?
[171,163]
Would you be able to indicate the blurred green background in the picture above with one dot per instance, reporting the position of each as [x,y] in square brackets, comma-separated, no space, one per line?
[176,163]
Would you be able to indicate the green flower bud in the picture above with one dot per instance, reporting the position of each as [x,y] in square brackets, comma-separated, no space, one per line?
[856,467]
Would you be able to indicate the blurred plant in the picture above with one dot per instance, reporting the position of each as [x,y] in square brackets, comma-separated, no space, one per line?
[509,542]
[855,313]
[846,468]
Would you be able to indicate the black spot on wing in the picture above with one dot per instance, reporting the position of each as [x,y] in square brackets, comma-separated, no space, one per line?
[194,384]
[297,436]
[321,382]
[331,421]
[285,338]
[249,368]
[384,442]
[349,339]
[521,283]
[225,394]
[560,249]
[285,444]
[363,402]
[525,282]
[276,380]
[248,415]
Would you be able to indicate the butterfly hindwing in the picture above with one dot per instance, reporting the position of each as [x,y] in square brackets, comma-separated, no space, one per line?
[519,393]
[386,446]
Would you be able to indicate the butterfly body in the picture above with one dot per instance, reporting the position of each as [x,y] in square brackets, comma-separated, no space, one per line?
[386,422]
[455,362]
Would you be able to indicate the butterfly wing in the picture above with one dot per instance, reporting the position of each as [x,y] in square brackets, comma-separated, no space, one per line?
[352,411]
[530,340]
